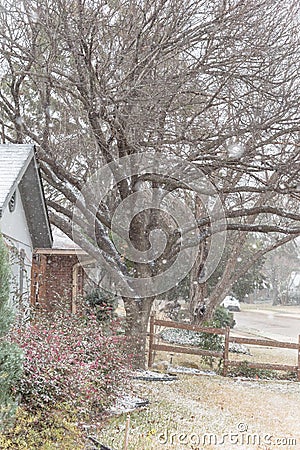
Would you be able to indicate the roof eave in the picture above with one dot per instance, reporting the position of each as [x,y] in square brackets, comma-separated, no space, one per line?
[34,202]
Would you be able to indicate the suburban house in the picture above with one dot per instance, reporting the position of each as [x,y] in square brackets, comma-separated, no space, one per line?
[24,221]
[42,273]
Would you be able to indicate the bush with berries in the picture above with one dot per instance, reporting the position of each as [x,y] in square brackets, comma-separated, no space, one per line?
[72,360]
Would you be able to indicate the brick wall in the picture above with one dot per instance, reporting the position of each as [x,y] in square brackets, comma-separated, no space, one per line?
[52,279]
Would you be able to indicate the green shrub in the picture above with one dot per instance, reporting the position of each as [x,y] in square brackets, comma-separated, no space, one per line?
[6,316]
[222,318]
[10,354]
[56,429]
[10,373]
[102,303]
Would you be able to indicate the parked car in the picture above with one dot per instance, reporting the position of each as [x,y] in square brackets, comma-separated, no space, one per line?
[231,303]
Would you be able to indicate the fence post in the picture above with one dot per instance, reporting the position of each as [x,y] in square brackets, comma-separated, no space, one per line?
[126,438]
[151,340]
[298,371]
[226,352]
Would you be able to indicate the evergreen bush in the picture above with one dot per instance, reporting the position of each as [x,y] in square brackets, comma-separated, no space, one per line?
[10,354]
[102,303]
[222,318]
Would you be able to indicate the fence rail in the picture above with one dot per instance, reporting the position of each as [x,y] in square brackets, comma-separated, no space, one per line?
[227,363]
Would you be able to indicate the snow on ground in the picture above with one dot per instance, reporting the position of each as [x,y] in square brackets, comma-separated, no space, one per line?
[149,375]
[192,338]
[127,403]
[199,406]
[190,371]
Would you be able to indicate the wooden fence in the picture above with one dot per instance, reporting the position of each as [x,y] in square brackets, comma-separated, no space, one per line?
[153,347]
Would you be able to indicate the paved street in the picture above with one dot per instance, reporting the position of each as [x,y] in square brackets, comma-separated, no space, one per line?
[272,323]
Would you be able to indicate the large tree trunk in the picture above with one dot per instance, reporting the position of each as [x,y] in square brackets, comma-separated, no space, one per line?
[198,290]
[137,318]
[198,294]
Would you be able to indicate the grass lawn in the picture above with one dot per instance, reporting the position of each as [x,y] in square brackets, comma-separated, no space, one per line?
[201,411]
[212,412]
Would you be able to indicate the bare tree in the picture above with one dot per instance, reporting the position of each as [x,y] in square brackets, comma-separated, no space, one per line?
[214,83]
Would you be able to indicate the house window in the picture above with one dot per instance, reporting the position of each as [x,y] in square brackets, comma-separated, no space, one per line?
[12,202]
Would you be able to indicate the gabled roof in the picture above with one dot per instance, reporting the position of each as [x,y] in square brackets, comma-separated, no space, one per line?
[14,160]
[18,168]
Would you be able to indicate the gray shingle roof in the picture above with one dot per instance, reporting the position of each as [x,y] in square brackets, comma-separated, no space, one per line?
[14,160]
[18,168]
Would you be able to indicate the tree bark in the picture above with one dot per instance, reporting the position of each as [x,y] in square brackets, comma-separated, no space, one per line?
[198,290]
[137,319]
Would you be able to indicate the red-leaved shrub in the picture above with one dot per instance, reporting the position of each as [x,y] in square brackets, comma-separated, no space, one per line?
[70,359]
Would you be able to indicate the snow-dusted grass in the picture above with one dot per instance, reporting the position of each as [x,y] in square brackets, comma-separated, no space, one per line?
[250,353]
[194,339]
[199,407]
[269,355]
[195,405]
